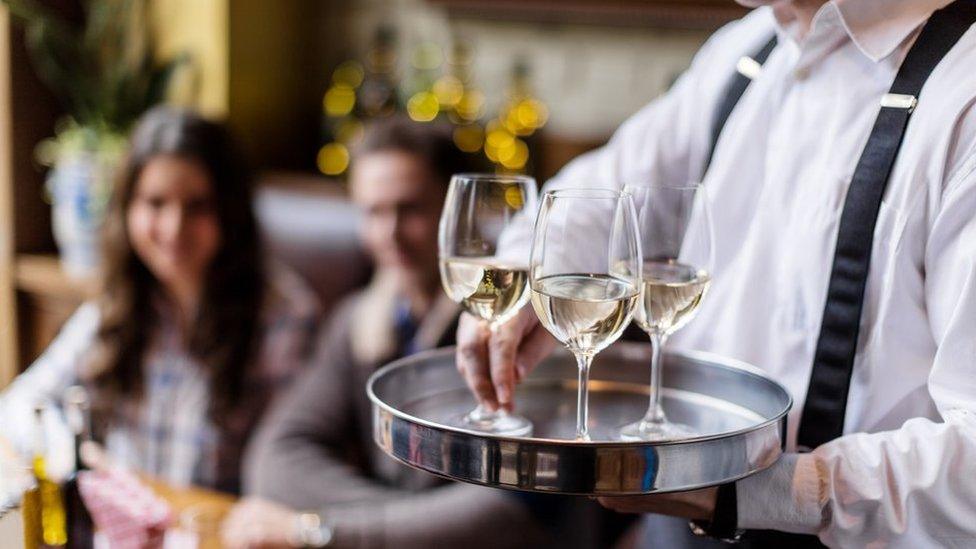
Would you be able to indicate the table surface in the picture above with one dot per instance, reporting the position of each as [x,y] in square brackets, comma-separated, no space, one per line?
[183,498]
[180,499]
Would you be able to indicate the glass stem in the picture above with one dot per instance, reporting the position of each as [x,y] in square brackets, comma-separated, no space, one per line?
[655,414]
[583,361]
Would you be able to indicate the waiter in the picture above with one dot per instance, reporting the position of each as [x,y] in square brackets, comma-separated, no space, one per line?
[838,145]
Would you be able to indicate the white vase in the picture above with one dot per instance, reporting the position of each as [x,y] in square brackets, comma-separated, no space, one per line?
[79,184]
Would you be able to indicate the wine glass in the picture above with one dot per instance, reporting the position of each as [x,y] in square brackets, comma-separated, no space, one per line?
[585,273]
[488,280]
[676,237]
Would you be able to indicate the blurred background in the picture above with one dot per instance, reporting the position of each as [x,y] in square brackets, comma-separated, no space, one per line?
[525,84]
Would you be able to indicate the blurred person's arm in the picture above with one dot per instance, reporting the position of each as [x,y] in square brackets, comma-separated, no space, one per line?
[297,459]
[455,515]
[44,382]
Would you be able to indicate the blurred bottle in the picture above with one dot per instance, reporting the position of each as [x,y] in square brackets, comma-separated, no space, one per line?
[50,499]
[80,528]
[30,505]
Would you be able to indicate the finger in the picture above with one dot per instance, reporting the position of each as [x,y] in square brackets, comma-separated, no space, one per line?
[535,346]
[502,347]
[472,360]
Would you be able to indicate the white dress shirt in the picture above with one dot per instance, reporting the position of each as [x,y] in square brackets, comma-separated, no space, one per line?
[904,474]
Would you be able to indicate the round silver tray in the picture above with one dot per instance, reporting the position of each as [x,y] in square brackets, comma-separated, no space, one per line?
[740,413]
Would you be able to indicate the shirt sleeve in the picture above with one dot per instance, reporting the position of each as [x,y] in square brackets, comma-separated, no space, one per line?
[44,382]
[870,489]
[666,141]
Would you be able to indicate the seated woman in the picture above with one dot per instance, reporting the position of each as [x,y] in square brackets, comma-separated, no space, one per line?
[315,451]
[193,332]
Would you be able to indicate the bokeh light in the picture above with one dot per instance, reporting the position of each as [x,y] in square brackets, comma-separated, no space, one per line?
[470,105]
[350,74]
[449,90]
[339,100]
[498,141]
[532,113]
[333,159]
[498,137]
[439,84]
[423,106]
[515,155]
[514,198]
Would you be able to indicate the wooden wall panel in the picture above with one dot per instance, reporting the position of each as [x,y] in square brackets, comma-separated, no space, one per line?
[276,80]
[8,304]
[27,115]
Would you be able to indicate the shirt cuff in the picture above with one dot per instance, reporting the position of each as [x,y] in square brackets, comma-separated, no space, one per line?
[789,496]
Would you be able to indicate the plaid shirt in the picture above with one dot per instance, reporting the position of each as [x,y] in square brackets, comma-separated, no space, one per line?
[167,433]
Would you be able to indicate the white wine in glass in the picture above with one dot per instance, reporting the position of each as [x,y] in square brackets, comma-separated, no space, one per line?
[670,296]
[488,289]
[586,312]
[489,283]
[585,275]
[676,239]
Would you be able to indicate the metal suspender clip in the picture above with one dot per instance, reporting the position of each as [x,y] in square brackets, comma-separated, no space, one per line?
[899,101]
[748,67]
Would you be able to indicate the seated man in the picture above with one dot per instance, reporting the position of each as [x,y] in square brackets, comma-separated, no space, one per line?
[315,451]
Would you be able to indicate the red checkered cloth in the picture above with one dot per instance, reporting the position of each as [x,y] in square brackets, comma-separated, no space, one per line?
[126,512]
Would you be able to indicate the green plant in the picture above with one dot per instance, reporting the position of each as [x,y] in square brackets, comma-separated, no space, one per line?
[104,68]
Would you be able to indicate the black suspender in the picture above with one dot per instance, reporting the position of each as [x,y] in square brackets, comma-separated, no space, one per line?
[823,411]
[746,70]
[830,380]
[826,403]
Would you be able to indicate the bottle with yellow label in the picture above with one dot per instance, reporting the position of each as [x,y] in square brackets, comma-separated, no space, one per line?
[30,506]
[78,521]
[53,526]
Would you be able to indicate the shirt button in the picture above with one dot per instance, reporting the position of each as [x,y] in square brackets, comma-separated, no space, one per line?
[801,73]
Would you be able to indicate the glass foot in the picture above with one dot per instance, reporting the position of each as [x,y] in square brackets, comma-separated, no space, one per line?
[494,423]
[655,430]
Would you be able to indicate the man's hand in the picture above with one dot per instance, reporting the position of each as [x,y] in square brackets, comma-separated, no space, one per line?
[694,505]
[256,523]
[492,363]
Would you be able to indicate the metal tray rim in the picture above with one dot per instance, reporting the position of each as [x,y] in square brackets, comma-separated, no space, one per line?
[625,493]
[715,360]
